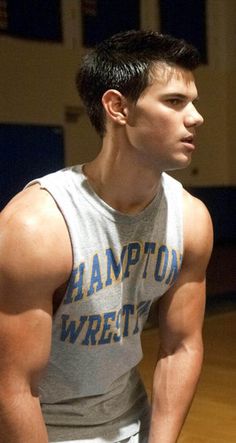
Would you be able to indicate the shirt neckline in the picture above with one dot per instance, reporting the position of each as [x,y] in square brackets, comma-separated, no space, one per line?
[109,212]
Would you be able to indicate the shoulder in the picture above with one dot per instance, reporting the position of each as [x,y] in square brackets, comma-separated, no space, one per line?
[198,231]
[34,242]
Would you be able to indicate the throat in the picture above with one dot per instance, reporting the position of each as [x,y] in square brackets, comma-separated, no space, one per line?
[129,193]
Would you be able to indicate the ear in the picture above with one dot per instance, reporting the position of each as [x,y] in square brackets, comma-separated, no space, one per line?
[115,105]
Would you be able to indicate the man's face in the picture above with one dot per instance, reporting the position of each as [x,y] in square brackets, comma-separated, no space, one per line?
[162,124]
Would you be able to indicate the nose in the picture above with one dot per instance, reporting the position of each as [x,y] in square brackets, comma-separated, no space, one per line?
[193,117]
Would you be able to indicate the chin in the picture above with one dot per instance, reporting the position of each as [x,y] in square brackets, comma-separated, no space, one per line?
[181,164]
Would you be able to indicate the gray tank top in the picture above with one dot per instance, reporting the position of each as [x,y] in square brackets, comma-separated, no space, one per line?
[121,264]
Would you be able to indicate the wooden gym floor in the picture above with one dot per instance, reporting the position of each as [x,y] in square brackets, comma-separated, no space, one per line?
[212,417]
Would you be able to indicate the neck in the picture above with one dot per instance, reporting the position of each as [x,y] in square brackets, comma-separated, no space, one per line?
[121,179]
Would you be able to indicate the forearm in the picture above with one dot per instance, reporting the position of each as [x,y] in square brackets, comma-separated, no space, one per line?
[174,385]
[21,420]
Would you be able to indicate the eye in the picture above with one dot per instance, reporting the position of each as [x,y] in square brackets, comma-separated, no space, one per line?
[174,101]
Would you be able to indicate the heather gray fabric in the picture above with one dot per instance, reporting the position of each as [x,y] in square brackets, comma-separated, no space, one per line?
[122,263]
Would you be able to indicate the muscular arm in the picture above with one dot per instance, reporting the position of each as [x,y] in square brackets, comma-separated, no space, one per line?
[28,279]
[181,313]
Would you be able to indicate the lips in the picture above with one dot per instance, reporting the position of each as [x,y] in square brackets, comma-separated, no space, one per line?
[188,139]
[188,142]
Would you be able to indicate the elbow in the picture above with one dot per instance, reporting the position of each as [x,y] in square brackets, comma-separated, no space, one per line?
[191,352]
[13,392]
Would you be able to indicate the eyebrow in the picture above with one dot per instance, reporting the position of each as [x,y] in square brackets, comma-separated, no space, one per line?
[178,95]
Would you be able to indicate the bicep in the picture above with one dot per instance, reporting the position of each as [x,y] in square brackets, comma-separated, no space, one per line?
[181,314]
[181,310]
[29,276]
[25,335]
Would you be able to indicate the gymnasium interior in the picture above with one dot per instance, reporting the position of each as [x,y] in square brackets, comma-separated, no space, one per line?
[43,128]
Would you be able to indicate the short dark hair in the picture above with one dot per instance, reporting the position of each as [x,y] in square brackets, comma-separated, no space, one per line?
[123,62]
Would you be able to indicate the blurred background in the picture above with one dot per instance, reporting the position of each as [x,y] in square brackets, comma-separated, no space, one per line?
[43,127]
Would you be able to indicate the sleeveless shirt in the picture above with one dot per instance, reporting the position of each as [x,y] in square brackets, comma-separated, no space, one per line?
[121,264]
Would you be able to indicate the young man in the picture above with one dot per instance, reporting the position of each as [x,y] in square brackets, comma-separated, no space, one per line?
[85,251]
